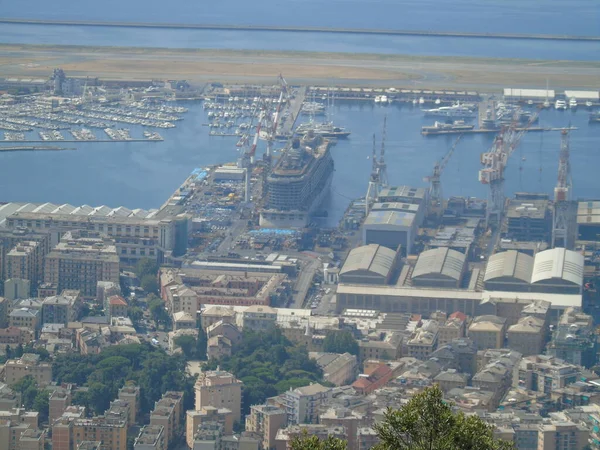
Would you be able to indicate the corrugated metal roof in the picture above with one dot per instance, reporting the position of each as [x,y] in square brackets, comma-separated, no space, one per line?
[372,258]
[101,211]
[440,261]
[120,211]
[558,263]
[83,210]
[509,264]
[583,95]
[45,208]
[394,218]
[529,93]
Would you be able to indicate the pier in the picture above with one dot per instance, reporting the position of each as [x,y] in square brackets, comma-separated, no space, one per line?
[79,141]
[285,124]
[490,131]
[87,23]
[32,148]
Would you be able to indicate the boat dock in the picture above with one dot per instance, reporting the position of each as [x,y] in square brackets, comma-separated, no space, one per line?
[82,141]
[290,113]
[490,131]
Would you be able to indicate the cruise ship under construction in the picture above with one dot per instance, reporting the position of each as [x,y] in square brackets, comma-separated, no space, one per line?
[298,183]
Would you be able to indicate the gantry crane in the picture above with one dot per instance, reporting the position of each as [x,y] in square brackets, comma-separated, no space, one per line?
[383,177]
[495,162]
[436,198]
[374,180]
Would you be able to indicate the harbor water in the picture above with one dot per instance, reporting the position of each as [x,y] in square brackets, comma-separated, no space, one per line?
[143,175]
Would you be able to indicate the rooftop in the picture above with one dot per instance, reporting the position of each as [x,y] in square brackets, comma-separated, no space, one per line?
[390,218]
[558,263]
[509,264]
[440,261]
[371,258]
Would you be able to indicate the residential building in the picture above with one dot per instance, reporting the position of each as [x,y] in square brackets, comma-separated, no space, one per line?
[4,302]
[259,318]
[137,234]
[131,394]
[183,320]
[423,342]
[366,438]
[89,445]
[339,369]
[266,420]
[25,318]
[80,260]
[151,437]
[219,389]
[60,400]
[213,287]
[452,328]
[28,364]
[388,346]
[32,439]
[168,413]
[61,308]
[213,314]
[11,336]
[460,353]
[350,420]
[498,375]
[16,288]
[574,339]
[218,347]
[302,404]
[451,379]
[529,220]
[9,399]
[376,378]
[110,429]
[542,373]
[225,329]
[488,332]
[208,414]
[527,336]
[244,441]
[555,435]
[10,238]
[26,262]
[116,306]
[62,428]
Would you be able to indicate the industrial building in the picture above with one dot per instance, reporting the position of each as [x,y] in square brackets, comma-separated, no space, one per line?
[390,229]
[369,264]
[588,220]
[529,220]
[529,94]
[440,267]
[553,271]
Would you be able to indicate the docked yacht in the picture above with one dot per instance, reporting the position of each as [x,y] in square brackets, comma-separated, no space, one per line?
[572,103]
[560,105]
[454,111]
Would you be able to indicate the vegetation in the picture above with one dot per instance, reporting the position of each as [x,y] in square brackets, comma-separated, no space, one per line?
[104,374]
[146,266]
[268,364]
[340,342]
[426,422]
[32,397]
[306,442]
[159,315]
[149,284]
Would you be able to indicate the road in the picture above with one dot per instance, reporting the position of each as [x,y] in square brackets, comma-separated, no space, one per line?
[309,269]
[194,65]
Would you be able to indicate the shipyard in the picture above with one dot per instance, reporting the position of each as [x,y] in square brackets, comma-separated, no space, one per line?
[223,232]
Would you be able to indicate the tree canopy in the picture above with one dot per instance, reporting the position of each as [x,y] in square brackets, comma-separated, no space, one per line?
[428,422]
[146,266]
[104,374]
[340,342]
[268,364]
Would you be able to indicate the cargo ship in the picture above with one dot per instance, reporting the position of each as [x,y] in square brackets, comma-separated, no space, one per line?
[298,183]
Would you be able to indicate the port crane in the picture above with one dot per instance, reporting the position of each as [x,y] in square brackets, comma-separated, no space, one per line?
[562,229]
[494,162]
[436,198]
[378,178]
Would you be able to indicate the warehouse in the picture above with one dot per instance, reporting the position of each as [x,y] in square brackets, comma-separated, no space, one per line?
[405,194]
[369,264]
[593,96]
[440,268]
[588,221]
[557,271]
[390,229]
[509,271]
[528,94]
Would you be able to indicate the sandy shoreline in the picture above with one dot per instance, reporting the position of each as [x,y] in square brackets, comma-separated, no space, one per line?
[199,65]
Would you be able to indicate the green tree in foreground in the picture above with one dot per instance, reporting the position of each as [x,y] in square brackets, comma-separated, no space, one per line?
[306,442]
[427,422]
[149,284]
[340,342]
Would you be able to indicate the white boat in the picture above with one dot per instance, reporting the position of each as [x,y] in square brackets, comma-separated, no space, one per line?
[437,101]
[560,105]
[546,104]
[378,99]
[457,110]
[421,101]
[384,100]
[572,103]
[414,102]
[589,104]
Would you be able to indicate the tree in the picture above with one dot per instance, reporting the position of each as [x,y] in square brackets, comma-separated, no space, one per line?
[306,442]
[187,344]
[146,266]
[8,351]
[136,314]
[157,310]
[340,342]
[41,404]
[27,387]
[426,422]
[201,345]
[149,284]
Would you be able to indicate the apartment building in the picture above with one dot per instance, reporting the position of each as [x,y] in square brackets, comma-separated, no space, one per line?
[26,261]
[527,336]
[25,318]
[131,394]
[168,413]
[219,389]
[110,428]
[208,414]
[488,332]
[10,238]
[266,420]
[542,373]
[452,328]
[137,234]
[62,308]
[28,364]
[555,435]
[151,437]
[302,404]
[60,400]
[80,260]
